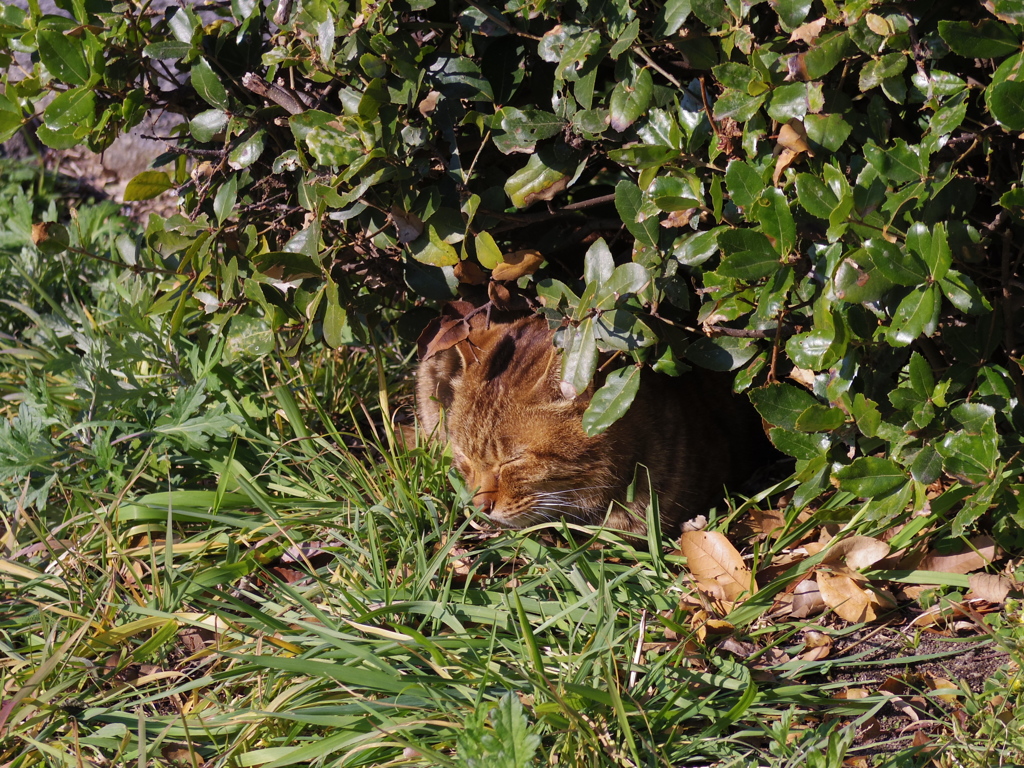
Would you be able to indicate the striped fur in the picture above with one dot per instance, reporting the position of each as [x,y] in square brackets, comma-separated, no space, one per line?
[520,444]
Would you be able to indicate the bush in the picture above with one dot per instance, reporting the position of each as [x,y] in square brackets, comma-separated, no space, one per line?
[805,191]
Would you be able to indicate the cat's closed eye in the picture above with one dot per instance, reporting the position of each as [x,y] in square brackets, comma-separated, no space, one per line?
[520,440]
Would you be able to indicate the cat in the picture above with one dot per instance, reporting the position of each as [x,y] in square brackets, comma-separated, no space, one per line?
[519,443]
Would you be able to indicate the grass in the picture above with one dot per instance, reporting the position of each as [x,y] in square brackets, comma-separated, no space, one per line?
[219,560]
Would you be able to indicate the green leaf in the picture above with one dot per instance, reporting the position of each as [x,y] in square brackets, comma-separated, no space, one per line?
[224,202]
[598,264]
[815,197]
[875,72]
[522,129]
[989,39]
[721,353]
[799,445]
[737,105]
[714,13]
[737,76]
[545,175]
[772,211]
[792,13]
[789,101]
[970,458]
[964,294]
[206,125]
[671,193]
[75,108]
[429,248]
[337,143]
[749,265]
[917,314]
[974,417]
[569,46]
[812,350]
[335,317]
[830,131]
[871,476]
[926,466]
[626,39]
[900,163]
[487,251]
[1006,102]
[458,77]
[64,56]
[781,404]
[147,185]
[208,85]
[247,152]
[858,281]
[628,278]
[922,379]
[931,245]
[579,360]
[743,182]
[671,16]
[896,264]
[827,51]
[167,49]
[641,223]
[820,418]
[629,100]
[865,412]
[612,400]
[696,248]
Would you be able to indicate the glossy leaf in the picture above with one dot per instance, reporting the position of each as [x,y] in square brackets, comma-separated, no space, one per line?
[629,100]
[612,400]
[640,222]
[147,185]
[208,85]
[781,404]
[870,476]
[579,360]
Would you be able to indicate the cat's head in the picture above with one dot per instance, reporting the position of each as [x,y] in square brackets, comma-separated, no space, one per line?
[516,438]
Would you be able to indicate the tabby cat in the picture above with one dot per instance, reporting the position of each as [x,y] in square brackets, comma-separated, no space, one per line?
[519,441]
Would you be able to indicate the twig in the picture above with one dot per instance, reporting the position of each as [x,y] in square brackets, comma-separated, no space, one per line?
[133,268]
[657,68]
[289,100]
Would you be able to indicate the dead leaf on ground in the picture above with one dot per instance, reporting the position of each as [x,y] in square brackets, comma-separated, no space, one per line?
[807,600]
[849,600]
[990,587]
[716,565]
[704,626]
[981,552]
[859,552]
[515,265]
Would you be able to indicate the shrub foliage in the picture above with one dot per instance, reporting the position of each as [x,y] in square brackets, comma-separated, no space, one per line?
[822,197]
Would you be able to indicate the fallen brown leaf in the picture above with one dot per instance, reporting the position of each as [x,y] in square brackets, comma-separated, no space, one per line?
[990,587]
[981,552]
[849,600]
[716,565]
[807,599]
[858,551]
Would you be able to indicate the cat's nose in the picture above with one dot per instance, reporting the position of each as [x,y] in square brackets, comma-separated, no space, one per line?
[484,501]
